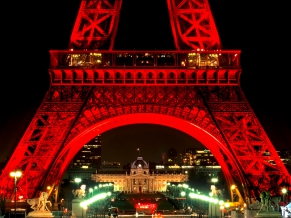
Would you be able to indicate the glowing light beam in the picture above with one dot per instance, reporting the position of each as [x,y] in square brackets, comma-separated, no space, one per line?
[95,198]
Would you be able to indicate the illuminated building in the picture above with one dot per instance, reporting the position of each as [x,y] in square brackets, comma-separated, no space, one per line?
[193,161]
[201,162]
[205,163]
[170,156]
[110,167]
[204,158]
[188,156]
[140,178]
[86,161]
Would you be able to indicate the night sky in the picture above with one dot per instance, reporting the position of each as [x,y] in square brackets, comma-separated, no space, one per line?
[30,28]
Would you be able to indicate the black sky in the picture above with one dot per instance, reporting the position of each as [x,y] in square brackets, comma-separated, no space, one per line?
[30,28]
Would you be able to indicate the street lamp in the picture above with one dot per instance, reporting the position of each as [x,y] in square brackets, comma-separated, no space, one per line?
[101,187]
[183,194]
[221,208]
[210,205]
[78,180]
[284,191]
[173,190]
[227,205]
[15,174]
[214,180]
[91,191]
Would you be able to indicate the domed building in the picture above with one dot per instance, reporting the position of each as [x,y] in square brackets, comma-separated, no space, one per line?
[140,180]
[139,167]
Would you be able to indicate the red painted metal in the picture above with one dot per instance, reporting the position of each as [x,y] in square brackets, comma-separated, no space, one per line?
[192,25]
[96,24]
[197,92]
[145,67]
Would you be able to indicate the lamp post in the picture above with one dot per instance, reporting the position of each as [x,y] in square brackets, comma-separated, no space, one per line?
[284,191]
[78,180]
[96,188]
[210,205]
[183,194]
[221,208]
[214,180]
[91,190]
[15,174]
[173,190]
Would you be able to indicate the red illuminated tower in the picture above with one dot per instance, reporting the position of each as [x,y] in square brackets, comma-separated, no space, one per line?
[194,88]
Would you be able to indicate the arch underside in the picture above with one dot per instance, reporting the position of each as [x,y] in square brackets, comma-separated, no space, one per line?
[222,112]
[181,108]
[219,117]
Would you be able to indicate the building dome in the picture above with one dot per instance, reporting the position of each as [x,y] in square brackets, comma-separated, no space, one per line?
[139,164]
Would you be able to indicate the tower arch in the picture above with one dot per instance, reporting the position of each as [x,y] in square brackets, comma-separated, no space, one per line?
[217,147]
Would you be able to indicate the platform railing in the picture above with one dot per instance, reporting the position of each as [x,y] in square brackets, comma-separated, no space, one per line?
[140,59]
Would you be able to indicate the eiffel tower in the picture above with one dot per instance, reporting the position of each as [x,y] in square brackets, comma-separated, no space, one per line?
[194,88]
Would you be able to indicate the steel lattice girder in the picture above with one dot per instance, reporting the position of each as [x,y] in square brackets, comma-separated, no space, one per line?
[95,23]
[69,115]
[192,25]
[68,112]
[107,102]
[43,139]
[247,139]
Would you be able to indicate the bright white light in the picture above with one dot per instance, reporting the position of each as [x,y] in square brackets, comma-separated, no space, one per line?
[93,199]
[214,180]
[215,200]
[205,198]
[284,190]
[15,174]
[77,180]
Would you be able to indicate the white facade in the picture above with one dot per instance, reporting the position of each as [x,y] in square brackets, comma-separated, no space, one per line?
[140,180]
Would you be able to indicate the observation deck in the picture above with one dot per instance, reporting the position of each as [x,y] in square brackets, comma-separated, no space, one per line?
[96,67]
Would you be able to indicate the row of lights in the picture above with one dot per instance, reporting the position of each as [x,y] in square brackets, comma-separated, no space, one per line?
[222,205]
[78,180]
[17,174]
[95,198]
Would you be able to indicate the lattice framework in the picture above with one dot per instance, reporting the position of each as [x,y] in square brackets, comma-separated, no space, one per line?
[192,25]
[216,106]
